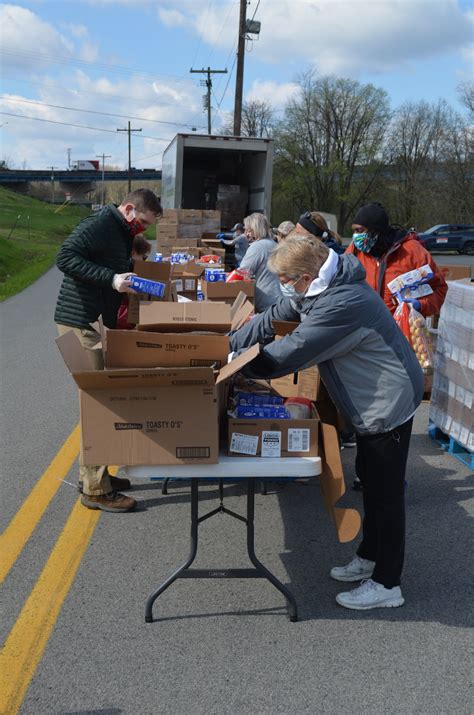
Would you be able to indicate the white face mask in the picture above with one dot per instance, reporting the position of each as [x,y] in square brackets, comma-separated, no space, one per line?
[289,290]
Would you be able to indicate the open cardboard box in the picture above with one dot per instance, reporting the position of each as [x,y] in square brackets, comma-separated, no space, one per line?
[148,415]
[197,316]
[227,292]
[185,278]
[194,345]
[273,438]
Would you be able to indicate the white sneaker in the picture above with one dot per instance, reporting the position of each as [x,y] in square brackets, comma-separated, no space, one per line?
[356,570]
[371,594]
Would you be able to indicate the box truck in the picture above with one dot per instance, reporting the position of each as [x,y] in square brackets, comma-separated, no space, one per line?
[230,174]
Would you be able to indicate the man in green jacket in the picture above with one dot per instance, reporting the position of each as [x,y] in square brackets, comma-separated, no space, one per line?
[95,260]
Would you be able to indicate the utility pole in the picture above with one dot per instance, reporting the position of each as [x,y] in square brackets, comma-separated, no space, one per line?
[103,157]
[129,130]
[239,77]
[52,181]
[208,84]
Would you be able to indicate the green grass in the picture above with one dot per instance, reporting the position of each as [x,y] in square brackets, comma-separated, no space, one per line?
[29,244]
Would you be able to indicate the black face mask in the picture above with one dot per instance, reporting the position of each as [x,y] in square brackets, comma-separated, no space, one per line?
[381,246]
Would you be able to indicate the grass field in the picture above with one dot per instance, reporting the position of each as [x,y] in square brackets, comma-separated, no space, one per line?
[30,236]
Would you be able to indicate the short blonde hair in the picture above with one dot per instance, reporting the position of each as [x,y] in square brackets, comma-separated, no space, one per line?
[258,224]
[297,255]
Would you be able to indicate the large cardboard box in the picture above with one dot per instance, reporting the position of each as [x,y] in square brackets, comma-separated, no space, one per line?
[147,416]
[185,278]
[194,316]
[166,231]
[227,292]
[169,216]
[189,232]
[273,438]
[190,216]
[137,348]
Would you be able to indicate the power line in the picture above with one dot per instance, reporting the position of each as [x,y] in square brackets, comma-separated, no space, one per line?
[62,60]
[92,111]
[84,91]
[80,126]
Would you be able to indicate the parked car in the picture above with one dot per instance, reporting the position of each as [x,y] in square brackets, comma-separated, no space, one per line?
[449,237]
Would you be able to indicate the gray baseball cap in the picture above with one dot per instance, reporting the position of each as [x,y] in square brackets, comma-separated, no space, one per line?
[237,226]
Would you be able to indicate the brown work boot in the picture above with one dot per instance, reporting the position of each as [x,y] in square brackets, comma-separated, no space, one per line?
[118,484]
[113,501]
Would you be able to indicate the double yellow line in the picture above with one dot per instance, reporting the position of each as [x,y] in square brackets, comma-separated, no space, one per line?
[27,640]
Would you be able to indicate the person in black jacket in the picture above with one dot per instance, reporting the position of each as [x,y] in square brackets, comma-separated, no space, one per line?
[95,260]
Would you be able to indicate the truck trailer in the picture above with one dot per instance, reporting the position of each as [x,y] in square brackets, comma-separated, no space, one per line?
[231,174]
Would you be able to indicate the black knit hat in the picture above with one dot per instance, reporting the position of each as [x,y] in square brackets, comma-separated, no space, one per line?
[308,224]
[372,216]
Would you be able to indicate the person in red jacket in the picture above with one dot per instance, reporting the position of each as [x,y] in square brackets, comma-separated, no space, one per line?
[386,252]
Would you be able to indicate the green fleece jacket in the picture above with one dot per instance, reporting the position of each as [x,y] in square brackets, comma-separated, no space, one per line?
[99,247]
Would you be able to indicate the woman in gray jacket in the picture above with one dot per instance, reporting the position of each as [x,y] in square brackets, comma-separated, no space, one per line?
[372,376]
[255,261]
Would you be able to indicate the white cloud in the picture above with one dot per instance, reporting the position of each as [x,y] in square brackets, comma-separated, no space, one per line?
[89,51]
[172,18]
[79,31]
[28,41]
[342,36]
[277,95]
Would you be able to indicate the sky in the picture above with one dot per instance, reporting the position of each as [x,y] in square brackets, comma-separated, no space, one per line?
[75,71]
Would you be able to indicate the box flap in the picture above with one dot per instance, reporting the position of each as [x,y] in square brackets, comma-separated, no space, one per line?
[244,312]
[191,269]
[153,270]
[144,378]
[237,304]
[236,365]
[74,355]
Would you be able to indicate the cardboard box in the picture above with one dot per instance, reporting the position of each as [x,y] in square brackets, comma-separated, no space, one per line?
[169,216]
[208,251]
[190,250]
[180,244]
[166,229]
[211,215]
[147,416]
[273,438]
[454,272]
[227,292]
[137,348]
[199,316]
[189,232]
[190,216]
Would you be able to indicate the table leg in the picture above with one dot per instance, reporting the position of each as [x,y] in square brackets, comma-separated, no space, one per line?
[187,563]
[292,609]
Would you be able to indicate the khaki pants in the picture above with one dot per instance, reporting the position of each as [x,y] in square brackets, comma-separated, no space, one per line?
[95,480]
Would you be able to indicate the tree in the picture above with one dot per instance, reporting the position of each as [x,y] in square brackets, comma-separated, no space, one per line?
[329,147]
[413,148]
[466,96]
[258,118]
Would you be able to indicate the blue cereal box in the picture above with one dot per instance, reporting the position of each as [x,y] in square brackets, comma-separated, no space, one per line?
[142,285]
[213,275]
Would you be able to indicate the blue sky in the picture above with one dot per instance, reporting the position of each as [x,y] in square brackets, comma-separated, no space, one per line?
[130,59]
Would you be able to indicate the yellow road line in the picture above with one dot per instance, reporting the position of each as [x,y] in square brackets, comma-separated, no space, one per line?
[29,636]
[17,533]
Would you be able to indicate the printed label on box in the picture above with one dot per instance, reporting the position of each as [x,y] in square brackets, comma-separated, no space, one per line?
[298,440]
[243,443]
[271,444]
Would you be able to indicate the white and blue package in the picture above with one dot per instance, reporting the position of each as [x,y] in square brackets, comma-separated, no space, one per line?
[214,275]
[268,412]
[158,258]
[142,285]
[251,398]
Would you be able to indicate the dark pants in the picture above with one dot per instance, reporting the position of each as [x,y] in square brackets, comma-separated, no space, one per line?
[380,465]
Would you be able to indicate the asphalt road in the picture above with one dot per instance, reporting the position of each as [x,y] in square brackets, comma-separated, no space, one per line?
[222,646]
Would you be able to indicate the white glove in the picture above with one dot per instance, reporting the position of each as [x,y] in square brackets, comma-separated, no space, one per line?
[122,282]
[230,357]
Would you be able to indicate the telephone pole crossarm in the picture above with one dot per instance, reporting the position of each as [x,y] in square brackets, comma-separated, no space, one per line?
[129,130]
[208,72]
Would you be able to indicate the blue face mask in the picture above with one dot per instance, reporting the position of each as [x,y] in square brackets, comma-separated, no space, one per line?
[363,241]
[289,291]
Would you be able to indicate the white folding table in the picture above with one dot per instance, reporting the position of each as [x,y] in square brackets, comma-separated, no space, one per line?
[229,468]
